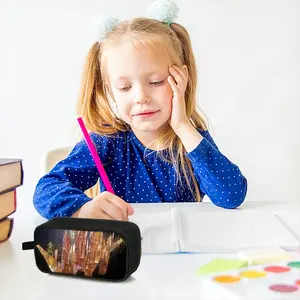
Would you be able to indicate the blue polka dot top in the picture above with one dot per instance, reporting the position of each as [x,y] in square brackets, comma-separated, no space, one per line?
[137,175]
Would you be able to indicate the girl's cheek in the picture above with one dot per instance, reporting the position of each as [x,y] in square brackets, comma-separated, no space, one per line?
[168,102]
[124,112]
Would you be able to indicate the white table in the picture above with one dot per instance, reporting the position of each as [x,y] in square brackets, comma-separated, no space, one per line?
[158,276]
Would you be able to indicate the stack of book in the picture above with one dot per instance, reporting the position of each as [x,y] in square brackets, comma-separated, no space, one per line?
[11,177]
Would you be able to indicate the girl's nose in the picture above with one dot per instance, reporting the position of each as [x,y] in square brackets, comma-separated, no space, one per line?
[141,96]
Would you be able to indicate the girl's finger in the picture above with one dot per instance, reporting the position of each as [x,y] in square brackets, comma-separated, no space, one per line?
[184,74]
[126,208]
[130,210]
[181,71]
[104,216]
[178,78]
[186,71]
[173,84]
[112,210]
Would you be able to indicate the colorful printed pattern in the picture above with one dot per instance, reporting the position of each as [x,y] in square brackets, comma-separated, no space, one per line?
[82,252]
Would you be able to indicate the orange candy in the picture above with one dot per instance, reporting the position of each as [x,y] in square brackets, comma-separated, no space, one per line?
[226,279]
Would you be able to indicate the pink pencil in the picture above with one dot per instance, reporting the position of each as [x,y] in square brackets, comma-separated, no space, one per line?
[96,157]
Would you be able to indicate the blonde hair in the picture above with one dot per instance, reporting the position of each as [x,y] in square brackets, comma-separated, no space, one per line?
[94,106]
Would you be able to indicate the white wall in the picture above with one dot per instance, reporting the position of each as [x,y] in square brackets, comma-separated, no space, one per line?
[248,55]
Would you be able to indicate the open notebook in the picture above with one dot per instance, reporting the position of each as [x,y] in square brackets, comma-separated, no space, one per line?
[224,231]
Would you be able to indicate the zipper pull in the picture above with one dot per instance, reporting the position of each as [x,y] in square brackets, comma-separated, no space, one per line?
[28,245]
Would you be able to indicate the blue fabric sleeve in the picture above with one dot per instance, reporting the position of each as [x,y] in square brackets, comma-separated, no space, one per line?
[219,178]
[61,192]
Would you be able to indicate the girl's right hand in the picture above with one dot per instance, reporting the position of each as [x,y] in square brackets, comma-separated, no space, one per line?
[105,206]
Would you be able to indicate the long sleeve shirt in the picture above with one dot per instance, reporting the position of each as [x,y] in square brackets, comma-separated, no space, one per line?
[137,175]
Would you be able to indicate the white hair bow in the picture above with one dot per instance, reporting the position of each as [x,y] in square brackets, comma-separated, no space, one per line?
[105,26]
[165,11]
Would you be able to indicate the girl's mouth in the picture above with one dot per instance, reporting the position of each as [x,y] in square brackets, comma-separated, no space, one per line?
[146,114]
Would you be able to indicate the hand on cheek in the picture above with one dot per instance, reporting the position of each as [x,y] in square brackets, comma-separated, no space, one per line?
[178,82]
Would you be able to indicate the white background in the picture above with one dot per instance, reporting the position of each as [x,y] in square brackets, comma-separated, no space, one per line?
[248,57]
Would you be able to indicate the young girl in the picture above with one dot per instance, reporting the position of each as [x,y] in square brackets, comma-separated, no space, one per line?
[158,148]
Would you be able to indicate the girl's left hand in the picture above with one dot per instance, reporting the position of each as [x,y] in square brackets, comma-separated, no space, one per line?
[178,82]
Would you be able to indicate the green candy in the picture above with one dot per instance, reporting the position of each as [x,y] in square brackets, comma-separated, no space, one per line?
[294,264]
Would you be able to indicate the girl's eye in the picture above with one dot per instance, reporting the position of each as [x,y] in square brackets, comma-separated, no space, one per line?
[127,88]
[124,88]
[156,82]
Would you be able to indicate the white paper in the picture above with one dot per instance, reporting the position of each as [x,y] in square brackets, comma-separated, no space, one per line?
[207,232]
[232,230]
[158,232]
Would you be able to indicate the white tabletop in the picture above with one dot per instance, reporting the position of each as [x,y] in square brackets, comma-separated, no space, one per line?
[158,276]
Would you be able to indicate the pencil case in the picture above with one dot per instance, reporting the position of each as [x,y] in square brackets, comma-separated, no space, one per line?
[92,248]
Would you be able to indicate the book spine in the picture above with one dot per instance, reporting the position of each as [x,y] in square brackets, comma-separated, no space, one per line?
[21,181]
[15,200]
[15,206]
[21,173]
[11,225]
[10,228]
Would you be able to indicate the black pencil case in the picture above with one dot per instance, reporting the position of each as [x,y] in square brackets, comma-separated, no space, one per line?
[103,249]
